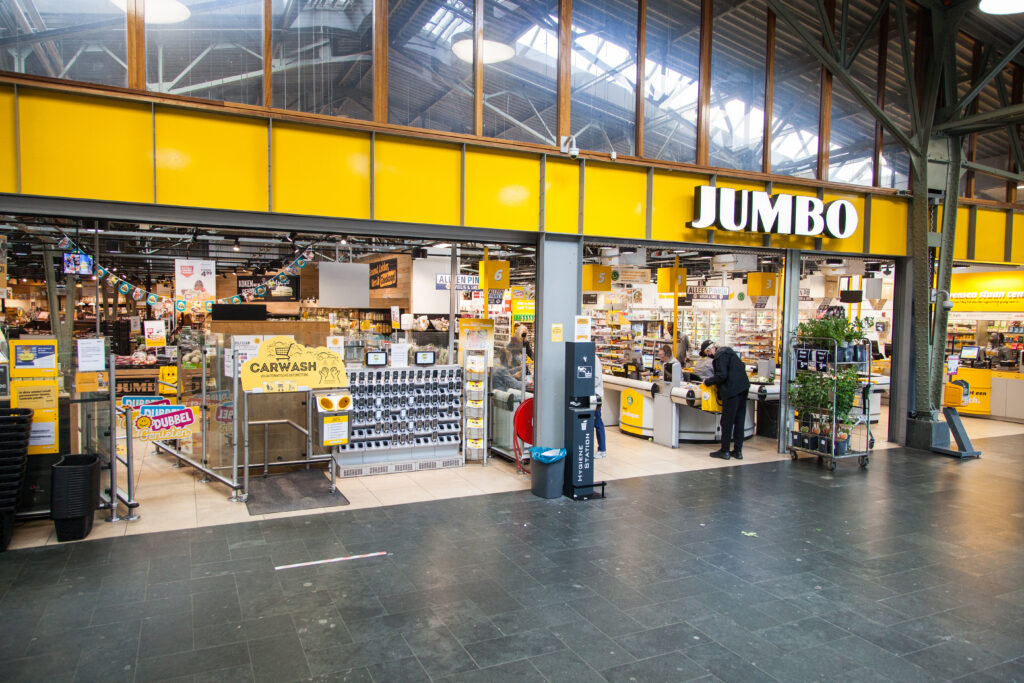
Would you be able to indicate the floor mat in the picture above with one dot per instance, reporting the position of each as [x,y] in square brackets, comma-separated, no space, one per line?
[299,490]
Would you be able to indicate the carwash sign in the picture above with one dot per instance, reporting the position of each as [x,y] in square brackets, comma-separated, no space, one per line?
[784,214]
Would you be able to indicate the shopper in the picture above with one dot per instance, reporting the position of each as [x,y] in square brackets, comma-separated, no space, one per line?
[523,335]
[599,401]
[731,379]
[665,356]
[998,348]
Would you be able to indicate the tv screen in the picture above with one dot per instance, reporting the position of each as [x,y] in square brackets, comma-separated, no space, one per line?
[424,358]
[648,361]
[77,264]
[376,359]
[970,352]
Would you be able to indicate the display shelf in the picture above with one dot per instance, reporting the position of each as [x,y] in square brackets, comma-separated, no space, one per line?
[751,333]
[475,393]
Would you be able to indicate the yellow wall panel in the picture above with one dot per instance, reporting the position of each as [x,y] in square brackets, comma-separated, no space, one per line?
[502,190]
[614,201]
[672,199]
[889,226]
[85,147]
[320,171]
[990,235]
[211,160]
[1017,245]
[963,222]
[853,244]
[562,196]
[8,160]
[417,182]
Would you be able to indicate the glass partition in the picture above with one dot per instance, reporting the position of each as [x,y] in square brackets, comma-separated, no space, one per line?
[520,55]
[736,114]
[604,68]
[430,64]
[323,57]
[85,40]
[212,50]
[671,71]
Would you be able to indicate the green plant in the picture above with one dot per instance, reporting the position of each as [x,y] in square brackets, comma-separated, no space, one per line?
[846,383]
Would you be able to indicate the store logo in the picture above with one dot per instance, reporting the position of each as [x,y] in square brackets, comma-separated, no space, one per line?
[745,211]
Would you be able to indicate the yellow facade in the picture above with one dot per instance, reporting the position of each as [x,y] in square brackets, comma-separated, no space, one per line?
[990,235]
[103,148]
[212,161]
[320,171]
[85,147]
[614,201]
[502,190]
[8,162]
[416,182]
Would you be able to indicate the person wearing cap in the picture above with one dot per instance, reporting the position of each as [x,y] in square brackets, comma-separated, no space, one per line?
[731,379]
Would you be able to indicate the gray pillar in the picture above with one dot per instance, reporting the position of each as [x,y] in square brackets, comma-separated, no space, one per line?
[900,369]
[559,283]
[790,318]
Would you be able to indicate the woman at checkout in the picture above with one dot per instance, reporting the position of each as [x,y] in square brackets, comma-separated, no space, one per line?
[999,351]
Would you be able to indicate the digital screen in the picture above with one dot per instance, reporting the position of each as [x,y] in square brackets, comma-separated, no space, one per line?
[424,358]
[648,361]
[78,264]
[376,359]
[969,352]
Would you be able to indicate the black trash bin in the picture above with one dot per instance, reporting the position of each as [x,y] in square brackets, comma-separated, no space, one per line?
[75,495]
[15,427]
[546,477]
[768,419]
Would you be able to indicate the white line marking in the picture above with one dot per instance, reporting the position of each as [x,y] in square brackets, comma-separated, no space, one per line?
[333,559]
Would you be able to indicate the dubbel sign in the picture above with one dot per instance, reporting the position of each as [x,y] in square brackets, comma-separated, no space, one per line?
[784,214]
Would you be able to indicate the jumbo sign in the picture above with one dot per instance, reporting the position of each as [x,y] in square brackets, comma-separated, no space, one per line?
[784,214]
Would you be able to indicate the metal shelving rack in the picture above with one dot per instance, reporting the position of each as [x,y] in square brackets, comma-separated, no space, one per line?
[821,356]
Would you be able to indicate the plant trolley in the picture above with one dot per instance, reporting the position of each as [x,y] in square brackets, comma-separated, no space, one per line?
[829,391]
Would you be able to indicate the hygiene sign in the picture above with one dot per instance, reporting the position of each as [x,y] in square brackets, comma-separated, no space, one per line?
[282,364]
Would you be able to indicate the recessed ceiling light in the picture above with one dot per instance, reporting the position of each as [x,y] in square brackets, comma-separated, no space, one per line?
[1001,6]
[492,52]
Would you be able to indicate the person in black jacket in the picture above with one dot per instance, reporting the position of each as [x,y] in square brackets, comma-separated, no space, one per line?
[731,379]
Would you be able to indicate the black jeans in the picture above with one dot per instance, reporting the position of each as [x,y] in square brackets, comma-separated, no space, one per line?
[734,418]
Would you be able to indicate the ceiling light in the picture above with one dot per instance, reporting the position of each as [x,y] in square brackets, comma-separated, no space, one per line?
[235,247]
[1001,6]
[344,242]
[159,11]
[492,52]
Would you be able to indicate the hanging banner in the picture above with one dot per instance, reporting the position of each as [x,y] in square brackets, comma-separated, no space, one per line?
[282,364]
[195,280]
[275,290]
[384,274]
[463,283]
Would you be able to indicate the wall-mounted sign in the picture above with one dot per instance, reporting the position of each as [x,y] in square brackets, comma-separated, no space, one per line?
[195,280]
[33,358]
[696,293]
[282,364]
[384,274]
[463,283]
[745,211]
[988,291]
[273,290]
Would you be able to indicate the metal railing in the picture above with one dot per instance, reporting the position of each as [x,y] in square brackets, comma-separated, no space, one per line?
[114,493]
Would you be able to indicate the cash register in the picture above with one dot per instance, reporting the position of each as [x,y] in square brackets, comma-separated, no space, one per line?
[973,356]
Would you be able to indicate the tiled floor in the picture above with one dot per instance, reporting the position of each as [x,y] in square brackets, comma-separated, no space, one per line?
[173,498]
[910,570]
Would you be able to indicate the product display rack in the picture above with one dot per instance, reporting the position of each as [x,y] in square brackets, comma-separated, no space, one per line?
[612,345]
[751,333]
[474,445]
[700,324]
[817,428]
[403,420]
[959,335]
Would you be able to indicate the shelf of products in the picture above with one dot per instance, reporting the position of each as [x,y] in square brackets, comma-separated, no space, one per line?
[611,343]
[475,393]
[700,324]
[751,333]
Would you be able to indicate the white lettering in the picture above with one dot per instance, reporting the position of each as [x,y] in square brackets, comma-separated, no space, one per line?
[841,219]
[771,214]
[807,219]
[732,209]
[705,207]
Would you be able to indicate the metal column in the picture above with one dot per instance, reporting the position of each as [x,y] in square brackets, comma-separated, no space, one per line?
[790,318]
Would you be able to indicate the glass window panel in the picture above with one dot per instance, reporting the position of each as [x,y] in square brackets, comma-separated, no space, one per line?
[852,137]
[796,97]
[895,164]
[323,57]
[604,50]
[894,171]
[428,85]
[671,71]
[89,47]
[993,150]
[215,53]
[521,91]
[736,121]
